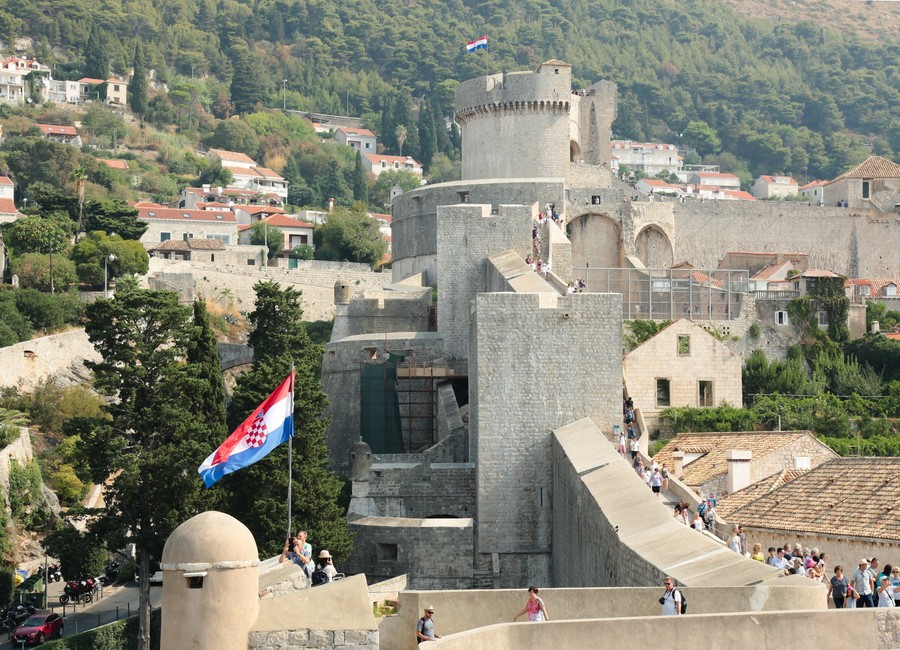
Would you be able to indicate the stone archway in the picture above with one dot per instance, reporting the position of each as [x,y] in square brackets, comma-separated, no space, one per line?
[654,248]
[596,242]
[574,151]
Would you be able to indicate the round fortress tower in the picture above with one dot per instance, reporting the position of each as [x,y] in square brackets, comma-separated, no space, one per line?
[516,124]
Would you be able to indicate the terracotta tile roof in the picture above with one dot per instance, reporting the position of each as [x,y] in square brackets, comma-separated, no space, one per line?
[856,497]
[262,172]
[7,206]
[191,245]
[116,80]
[894,336]
[375,158]
[655,182]
[57,129]
[360,132]
[697,276]
[740,195]
[556,62]
[813,184]
[201,205]
[182,214]
[769,271]
[715,176]
[380,217]
[232,156]
[713,463]
[873,167]
[781,180]
[817,273]
[730,503]
[115,163]
[259,209]
[91,81]
[284,221]
[5,180]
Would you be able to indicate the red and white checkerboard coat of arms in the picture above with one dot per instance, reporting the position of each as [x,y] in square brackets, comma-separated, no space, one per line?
[257,433]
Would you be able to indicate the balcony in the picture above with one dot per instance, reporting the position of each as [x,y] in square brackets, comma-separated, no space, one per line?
[776,295]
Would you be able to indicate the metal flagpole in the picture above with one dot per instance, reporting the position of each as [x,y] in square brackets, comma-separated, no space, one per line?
[290,452]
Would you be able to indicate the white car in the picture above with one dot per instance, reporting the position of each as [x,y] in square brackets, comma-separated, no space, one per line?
[155,578]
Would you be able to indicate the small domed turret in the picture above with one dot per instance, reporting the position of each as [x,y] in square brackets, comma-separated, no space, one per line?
[360,461]
[342,292]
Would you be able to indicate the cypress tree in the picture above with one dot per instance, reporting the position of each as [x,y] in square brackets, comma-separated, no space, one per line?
[203,359]
[248,82]
[360,182]
[137,90]
[257,495]
[440,127]
[427,137]
[96,55]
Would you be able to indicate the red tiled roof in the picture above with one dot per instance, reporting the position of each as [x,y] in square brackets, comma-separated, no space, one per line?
[714,175]
[284,221]
[57,129]
[817,273]
[116,80]
[813,184]
[360,132]
[259,209]
[232,156]
[768,271]
[262,172]
[740,195]
[90,80]
[380,217]
[181,214]
[785,180]
[6,180]
[655,182]
[7,206]
[205,206]
[375,158]
[191,244]
[873,167]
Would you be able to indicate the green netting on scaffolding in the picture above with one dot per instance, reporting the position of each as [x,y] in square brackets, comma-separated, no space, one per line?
[380,408]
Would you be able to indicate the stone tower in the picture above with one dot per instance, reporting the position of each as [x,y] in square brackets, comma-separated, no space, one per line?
[210,584]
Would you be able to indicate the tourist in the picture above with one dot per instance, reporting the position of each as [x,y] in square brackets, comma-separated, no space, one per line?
[734,543]
[772,560]
[664,473]
[534,607]
[852,597]
[656,482]
[697,521]
[862,583]
[325,571]
[757,553]
[837,587]
[300,554]
[671,600]
[895,582]
[635,447]
[886,593]
[425,627]
[743,536]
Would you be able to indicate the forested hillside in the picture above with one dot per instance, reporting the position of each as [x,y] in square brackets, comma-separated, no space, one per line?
[755,96]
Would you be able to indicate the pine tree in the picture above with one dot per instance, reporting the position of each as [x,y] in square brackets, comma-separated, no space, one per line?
[360,182]
[248,84]
[334,185]
[258,494]
[440,128]
[137,90]
[96,55]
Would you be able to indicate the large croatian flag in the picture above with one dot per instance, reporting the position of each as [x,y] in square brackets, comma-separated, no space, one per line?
[477,44]
[267,427]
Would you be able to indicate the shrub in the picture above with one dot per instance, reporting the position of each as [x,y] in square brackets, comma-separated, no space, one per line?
[67,485]
[7,584]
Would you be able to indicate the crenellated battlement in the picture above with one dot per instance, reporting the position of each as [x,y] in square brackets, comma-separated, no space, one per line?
[511,108]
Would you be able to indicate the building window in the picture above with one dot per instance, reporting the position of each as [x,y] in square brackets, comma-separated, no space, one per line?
[212,257]
[823,319]
[705,393]
[371,353]
[251,262]
[195,582]
[463,197]
[781,318]
[865,189]
[386,552]
[684,345]
[662,392]
[165,236]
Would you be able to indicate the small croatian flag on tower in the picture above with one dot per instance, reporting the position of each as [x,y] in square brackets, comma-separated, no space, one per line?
[267,427]
[477,44]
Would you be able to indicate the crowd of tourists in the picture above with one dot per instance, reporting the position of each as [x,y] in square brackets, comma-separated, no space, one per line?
[299,551]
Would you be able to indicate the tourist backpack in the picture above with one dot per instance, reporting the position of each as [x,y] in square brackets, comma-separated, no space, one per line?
[319,577]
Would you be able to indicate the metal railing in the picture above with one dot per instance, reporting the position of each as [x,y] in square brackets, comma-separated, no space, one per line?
[668,294]
[788,294]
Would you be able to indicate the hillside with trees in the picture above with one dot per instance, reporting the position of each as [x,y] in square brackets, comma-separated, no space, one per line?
[741,91]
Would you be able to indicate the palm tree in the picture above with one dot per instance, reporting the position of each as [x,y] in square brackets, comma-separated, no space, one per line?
[401,137]
[79,176]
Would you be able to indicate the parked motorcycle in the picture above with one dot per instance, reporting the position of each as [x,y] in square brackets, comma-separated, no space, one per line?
[53,574]
[14,615]
[110,574]
[78,590]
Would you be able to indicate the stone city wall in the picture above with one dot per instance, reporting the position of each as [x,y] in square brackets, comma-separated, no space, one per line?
[375,311]
[539,360]
[61,356]
[876,629]
[418,489]
[434,553]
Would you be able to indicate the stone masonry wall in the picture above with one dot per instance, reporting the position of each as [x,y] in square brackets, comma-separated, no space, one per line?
[321,639]
[417,490]
[467,236]
[539,361]
[61,356]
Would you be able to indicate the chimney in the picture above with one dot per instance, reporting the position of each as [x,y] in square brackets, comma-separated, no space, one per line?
[331,204]
[876,327]
[738,469]
[678,460]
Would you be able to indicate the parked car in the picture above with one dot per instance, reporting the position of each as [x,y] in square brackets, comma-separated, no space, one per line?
[155,578]
[37,628]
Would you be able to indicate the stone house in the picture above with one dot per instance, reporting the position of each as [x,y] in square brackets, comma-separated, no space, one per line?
[650,157]
[198,250]
[724,463]
[61,134]
[15,76]
[716,179]
[362,140]
[814,192]
[248,214]
[874,183]
[844,506]
[376,164]
[294,232]
[181,224]
[683,365]
[774,187]
[248,175]
[8,211]
[656,186]
[117,91]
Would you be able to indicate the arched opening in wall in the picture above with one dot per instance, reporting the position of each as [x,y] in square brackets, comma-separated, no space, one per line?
[574,151]
[654,248]
[596,243]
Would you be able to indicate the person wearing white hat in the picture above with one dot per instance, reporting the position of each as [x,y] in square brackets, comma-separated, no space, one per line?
[862,582]
[425,627]
[325,571]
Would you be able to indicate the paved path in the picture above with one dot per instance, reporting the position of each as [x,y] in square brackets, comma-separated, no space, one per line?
[117,602]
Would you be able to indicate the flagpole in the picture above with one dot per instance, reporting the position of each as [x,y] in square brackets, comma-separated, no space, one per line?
[290,452]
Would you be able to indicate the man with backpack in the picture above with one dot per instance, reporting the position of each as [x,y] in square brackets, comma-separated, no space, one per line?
[673,601]
[425,627]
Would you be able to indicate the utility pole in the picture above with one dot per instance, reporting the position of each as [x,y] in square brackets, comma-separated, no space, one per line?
[52,288]
[284,94]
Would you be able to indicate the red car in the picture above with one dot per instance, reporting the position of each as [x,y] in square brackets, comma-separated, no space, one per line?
[37,628]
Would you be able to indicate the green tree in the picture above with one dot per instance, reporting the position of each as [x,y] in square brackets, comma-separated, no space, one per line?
[700,135]
[428,144]
[36,270]
[248,84]
[381,189]
[147,451]
[137,89]
[350,236]
[203,357]
[262,234]
[33,159]
[235,134]
[360,182]
[114,217]
[334,185]
[91,255]
[96,54]
[258,493]
[104,124]
[79,555]
[36,234]
[215,175]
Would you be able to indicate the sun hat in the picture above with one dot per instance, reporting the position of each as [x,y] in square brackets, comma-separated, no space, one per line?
[324,555]
[429,609]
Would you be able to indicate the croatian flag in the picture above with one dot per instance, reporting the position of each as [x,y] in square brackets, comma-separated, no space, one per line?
[267,427]
[477,44]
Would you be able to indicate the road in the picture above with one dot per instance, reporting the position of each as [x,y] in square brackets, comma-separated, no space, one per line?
[117,602]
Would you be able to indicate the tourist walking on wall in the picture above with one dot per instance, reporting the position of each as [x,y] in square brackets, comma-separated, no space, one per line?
[837,587]
[886,593]
[425,627]
[671,600]
[862,582]
[534,607]
[635,447]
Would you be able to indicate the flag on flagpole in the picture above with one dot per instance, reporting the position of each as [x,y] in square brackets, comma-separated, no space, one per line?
[271,424]
[477,44]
